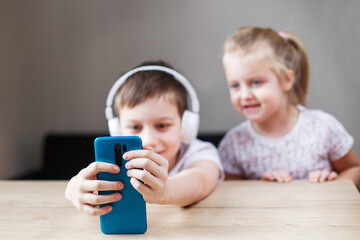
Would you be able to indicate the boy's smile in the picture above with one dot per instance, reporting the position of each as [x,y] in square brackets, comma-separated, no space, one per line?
[157,122]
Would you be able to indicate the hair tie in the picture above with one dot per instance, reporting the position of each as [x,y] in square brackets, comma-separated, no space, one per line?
[283,35]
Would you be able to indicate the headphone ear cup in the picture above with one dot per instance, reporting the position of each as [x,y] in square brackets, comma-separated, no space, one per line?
[189,126]
[114,127]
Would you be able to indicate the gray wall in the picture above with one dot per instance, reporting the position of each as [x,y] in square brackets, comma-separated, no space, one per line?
[60,58]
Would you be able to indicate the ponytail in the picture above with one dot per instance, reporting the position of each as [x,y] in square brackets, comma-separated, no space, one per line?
[300,88]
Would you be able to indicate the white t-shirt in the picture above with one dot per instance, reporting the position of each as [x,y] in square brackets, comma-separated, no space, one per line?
[195,151]
[316,139]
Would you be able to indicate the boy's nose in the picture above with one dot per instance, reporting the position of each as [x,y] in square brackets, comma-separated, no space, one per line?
[149,138]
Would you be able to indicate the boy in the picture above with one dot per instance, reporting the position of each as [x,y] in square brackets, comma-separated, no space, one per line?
[150,104]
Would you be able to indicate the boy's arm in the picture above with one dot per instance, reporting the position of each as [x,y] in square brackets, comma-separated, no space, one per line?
[348,167]
[191,185]
[149,175]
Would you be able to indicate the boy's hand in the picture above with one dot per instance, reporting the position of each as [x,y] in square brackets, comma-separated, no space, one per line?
[151,169]
[82,189]
[322,176]
[279,176]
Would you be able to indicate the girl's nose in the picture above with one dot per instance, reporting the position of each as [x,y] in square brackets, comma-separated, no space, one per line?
[245,93]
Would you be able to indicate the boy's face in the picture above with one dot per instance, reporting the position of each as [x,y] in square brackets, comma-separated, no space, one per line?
[255,91]
[158,123]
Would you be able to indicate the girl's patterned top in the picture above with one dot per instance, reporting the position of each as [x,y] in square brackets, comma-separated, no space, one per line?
[316,139]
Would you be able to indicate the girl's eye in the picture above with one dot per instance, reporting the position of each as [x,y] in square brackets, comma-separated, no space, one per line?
[256,83]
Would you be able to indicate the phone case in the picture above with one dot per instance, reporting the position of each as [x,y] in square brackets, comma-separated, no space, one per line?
[128,215]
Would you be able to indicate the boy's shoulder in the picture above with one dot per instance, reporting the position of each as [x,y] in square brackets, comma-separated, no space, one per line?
[195,147]
[199,145]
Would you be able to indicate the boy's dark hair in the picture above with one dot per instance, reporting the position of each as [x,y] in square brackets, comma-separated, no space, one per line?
[148,84]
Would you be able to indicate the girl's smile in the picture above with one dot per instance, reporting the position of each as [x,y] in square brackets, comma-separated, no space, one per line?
[251,108]
[258,94]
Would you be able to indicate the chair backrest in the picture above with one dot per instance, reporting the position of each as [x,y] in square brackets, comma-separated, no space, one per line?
[64,155]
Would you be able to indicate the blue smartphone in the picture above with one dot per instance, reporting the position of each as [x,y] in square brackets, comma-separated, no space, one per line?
[128,215]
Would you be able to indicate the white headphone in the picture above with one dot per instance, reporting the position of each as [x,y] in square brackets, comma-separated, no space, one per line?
[190,118]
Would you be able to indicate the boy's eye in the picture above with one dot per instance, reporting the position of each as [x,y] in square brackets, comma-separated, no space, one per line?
[162,126]
[135,127]
[234,85]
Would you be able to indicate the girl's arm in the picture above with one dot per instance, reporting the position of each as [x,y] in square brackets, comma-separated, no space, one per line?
[191,185]
[348,167]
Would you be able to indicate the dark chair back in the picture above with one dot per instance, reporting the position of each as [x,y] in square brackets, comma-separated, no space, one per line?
[66,154]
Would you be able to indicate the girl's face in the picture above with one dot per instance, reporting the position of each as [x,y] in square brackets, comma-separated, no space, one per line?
[157,122]
[255,91]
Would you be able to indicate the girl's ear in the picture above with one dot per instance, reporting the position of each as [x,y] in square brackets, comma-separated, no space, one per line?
[289,80]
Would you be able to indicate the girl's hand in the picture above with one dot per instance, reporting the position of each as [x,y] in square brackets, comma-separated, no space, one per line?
[82,189]
[322,176]
[278,176]
[151,169]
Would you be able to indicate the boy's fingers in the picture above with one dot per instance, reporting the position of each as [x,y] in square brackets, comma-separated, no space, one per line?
[141,188]
[96,167]
[146,177]
[94,211]
[158,159]
[148,165]
[148,148]
[100,185]
[92,199]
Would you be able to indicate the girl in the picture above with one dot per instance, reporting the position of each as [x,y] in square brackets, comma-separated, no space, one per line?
[267,74]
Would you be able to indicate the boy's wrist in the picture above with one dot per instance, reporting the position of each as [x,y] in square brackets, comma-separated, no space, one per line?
[164,196]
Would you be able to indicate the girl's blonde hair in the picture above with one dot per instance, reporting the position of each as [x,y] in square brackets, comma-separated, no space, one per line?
[287,49]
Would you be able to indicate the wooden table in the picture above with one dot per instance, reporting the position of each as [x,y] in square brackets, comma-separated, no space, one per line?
[235,210]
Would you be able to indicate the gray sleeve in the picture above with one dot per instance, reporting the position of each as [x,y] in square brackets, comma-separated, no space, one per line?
[339,141]
[200,150]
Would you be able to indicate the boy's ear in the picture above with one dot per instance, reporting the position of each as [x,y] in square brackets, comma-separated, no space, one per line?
[289,80]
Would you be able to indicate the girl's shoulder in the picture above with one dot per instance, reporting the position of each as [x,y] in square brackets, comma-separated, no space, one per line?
[318,121]
[243,130]
[317,116]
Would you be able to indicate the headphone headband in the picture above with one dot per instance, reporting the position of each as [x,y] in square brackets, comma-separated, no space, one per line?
[109,112]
